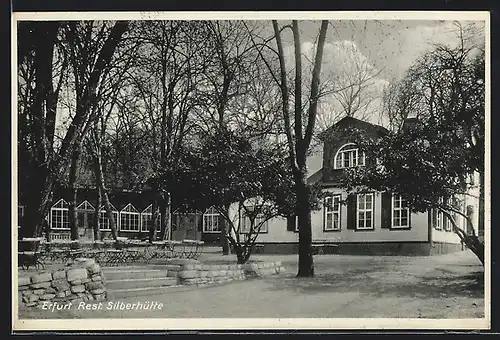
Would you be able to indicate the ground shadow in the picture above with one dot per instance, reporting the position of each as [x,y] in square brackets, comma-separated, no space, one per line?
[385,284]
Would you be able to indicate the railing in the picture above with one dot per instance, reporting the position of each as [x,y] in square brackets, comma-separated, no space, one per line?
[60,237]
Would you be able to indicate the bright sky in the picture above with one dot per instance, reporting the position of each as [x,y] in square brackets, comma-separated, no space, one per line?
[390,46]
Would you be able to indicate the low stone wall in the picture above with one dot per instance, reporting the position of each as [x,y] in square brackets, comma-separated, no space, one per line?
[209,274]
[203,274]
[82,281]
[254,269]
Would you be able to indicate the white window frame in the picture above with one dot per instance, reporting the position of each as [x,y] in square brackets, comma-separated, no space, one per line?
[350,149]
[365,211]
[400,209]
[439,220]
[334,213]
[127,213]
[85,207]
[448,227]
[210,217]
[148,213]
[103,217]
[64,210]
[264,229]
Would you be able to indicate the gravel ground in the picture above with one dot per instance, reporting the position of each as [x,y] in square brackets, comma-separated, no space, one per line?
[444,286]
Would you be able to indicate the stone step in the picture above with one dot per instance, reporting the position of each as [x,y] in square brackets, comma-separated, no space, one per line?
[134,267]
[117,274]
[140,283]
[114,295]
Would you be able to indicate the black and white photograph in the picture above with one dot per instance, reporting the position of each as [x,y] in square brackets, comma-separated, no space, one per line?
[246,170]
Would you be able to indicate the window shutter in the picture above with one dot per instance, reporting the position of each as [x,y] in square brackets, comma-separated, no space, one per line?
[290,223]
[222,223]
[351,211]
[409,218]
[200,222]
[433,222]
[386,210]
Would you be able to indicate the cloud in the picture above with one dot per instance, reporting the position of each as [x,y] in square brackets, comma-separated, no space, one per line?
[343,65]
[402,48]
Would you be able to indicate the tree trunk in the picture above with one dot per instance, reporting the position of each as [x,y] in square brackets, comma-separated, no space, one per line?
[471,241]
[242,255]
[96,226]
[109,212]
[104,193]
[168,220]
[73,219]
[154,219]
[42,204]
[480,230]
[34,202]
[306,262]
[223,238]
[163,218]
[37,181]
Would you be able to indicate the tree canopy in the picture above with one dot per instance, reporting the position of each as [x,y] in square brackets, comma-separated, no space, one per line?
[227,170]
[438,148]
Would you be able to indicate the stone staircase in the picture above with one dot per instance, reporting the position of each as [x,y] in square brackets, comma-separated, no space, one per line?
[131,281]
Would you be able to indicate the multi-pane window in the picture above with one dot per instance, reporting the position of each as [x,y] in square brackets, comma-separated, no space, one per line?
[364,215]
[259,222]
[59,215]
[104,223]
[332,213]
[448,226]
[129,219]
[146,218]
[20,215]
[349,156]
[400,212]
[85,213]
[439,219]
[211,221]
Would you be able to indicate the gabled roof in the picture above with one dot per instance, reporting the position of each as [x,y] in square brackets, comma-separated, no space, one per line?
[409,123]
[351,121]
[118,198]
[315,177]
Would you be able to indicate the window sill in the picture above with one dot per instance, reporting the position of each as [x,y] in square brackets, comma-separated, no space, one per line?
[211,232]
[399,228]
[349,167]
[365,229]
[331,230]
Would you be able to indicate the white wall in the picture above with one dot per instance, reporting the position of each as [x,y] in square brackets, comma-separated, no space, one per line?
[277,228]
[418,231]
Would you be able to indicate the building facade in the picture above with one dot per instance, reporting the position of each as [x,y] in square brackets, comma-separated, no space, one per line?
[366,223]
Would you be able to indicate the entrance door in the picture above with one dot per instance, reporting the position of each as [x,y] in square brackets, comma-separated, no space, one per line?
[185,227]
[85,225]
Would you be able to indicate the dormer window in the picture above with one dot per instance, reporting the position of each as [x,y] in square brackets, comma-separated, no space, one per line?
[349,156]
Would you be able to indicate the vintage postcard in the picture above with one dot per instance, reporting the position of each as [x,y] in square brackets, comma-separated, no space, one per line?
[251,170]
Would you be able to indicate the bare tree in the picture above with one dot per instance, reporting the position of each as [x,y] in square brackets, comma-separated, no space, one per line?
[164,79]
[299,129]
[44,170]
[87,41]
